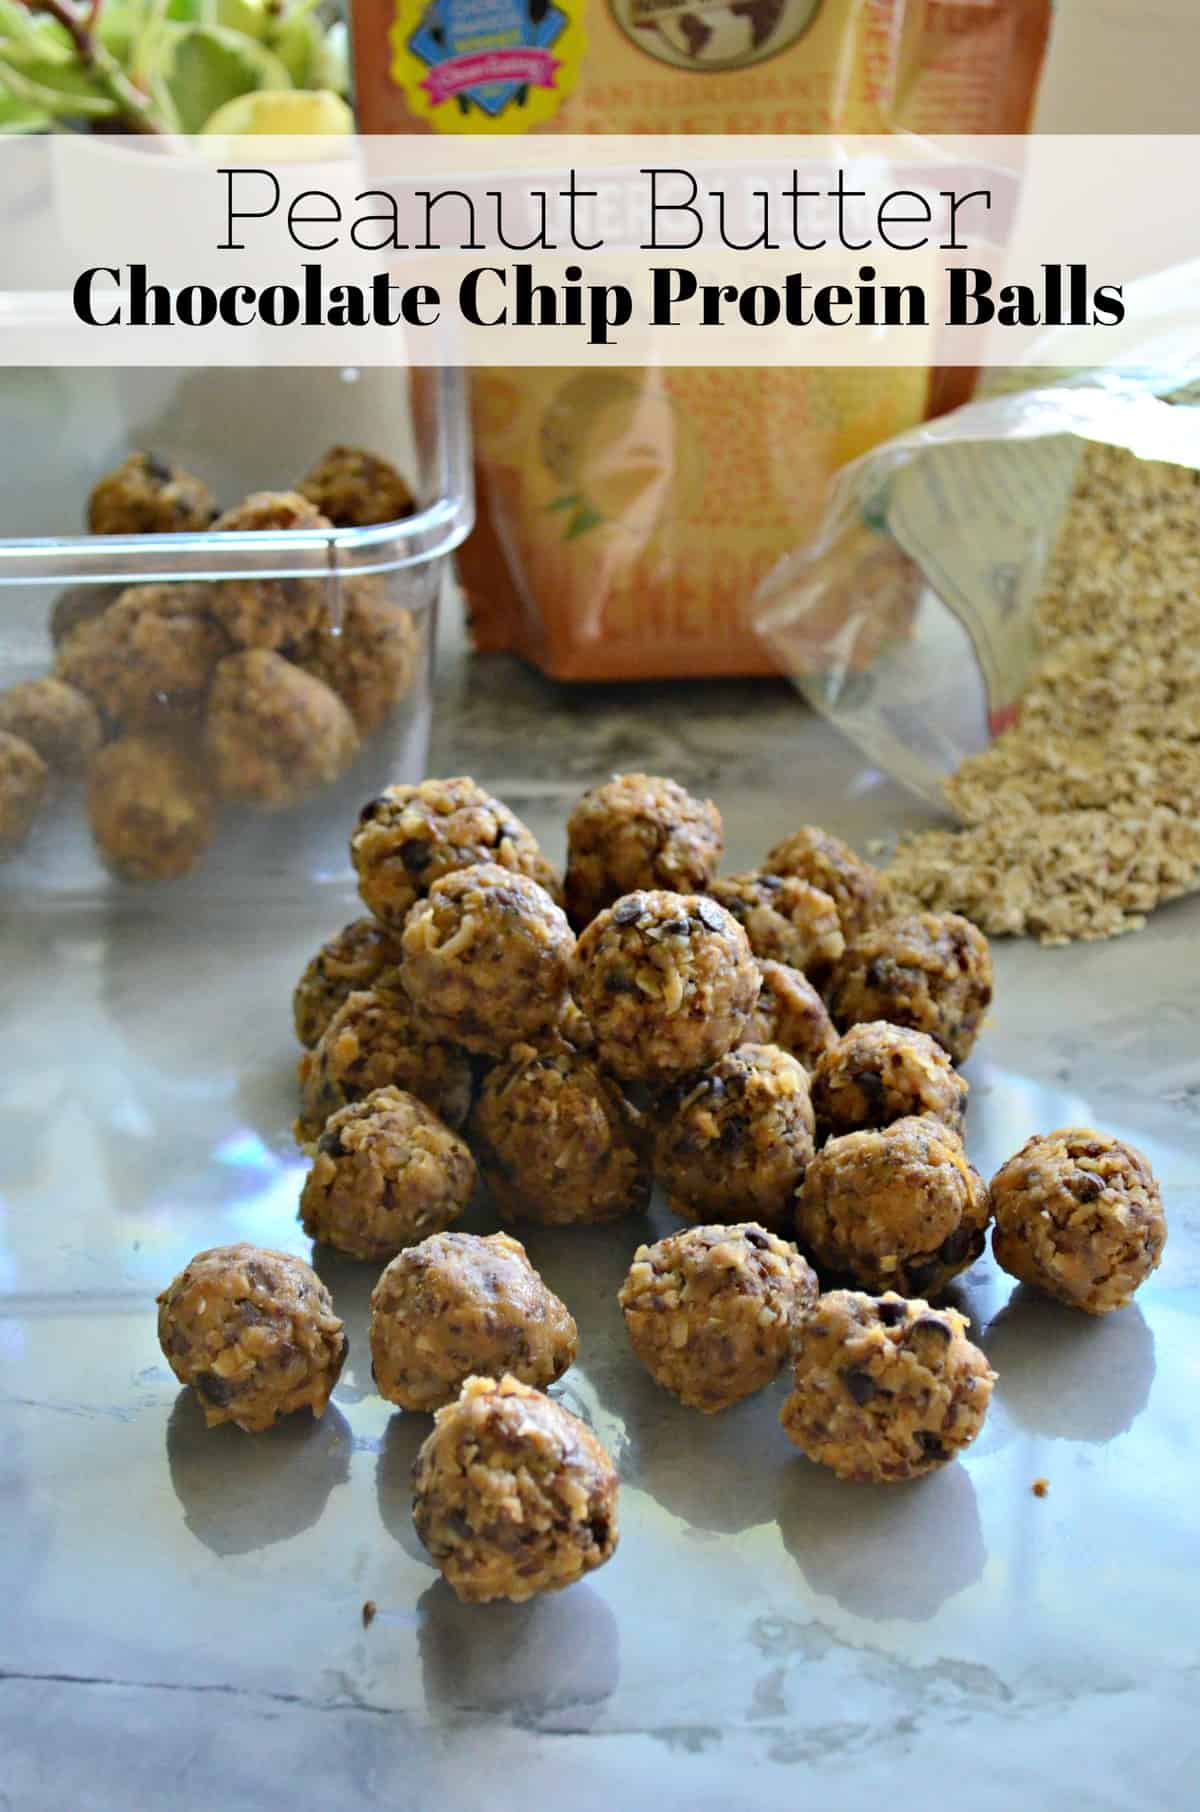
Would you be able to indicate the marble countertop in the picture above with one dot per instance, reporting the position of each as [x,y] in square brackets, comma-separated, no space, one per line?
[180,1611]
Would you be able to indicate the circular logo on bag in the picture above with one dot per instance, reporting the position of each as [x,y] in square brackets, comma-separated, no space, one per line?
[714,34]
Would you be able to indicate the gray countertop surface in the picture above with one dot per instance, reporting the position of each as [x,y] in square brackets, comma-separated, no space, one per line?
[180,1610]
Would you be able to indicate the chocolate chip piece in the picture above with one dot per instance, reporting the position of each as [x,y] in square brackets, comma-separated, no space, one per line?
[769,883]
[678,927]
[955,1246]
[928,1327]
[931,1444]
[620,984]
[157,469]
[1085,1187]
[861,1386]
[331,1144]
[218,1390]
[416,855]
[871,1084]
[891,1314]
[372,809]
[627,910]
[710,914]
[754,1238]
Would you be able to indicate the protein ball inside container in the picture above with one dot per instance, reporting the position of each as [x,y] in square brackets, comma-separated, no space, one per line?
[790,1013]
[387,1173]
[369,657]
[899,1208]
[486,958]
[346,964]
[710,1312]
[254,1334]
[930,971]
[786,919]
[376,1040]
[149,496]
[885,1389]
[55,719]
[410,836]
[1079,1215]
[558,1142]
[79,604]
[667,983]
[458,1305]
[513,1494]
[877,1073]
[23,777]
[861,892]
[270,613]
[734,1143]
[638,832]
[150,808]
[275,735]
[151,655]
[354,488]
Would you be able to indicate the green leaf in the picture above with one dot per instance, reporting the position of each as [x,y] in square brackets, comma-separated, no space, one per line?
[564,503]
[20,116]
[61,89]
[203,66]
[583,520]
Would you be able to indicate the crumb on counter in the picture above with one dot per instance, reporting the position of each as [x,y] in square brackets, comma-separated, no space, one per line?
[370,1611]
[1040,1487]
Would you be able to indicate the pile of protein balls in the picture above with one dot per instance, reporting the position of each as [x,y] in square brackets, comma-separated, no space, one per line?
[172,699]
[775,1048]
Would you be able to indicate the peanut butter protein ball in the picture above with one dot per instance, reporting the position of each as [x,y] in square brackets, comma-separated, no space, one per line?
[786,919]
[711,1311]
[149,658]
[459,1304]
[558,1142]
[790,1013]
[148,496]
[254,1333]
[1079,1215]
[513,1495]
[638,832]
[877,1073]
[369,657]
[354,488]
[270,613]
[23,777]
[667,983]
[352,961]
[61,723]
[735,1142]
[275,735]
[860,892]
[930,971]
[151,811]
[387,1173]
[376,1040]
[410,836]
[894,1209]
[486,958]
[884,1389]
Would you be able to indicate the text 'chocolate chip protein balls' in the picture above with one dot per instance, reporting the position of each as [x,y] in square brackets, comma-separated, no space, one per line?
[275,735]
[375,1040]
[460,1304]
[23,778]
[930,971]
[557,1141]
[387,1173]
[270,613]
[486,958]
[790,1013]
[638,832]
[254,1333]
[884,1389]
[410,836]
[513,1494]
[710,1312]
[344,965]
[1079,1215]
[786,919]
[860,892]
[150,808]
[61,723]
[894,1209]
[147,496]
[734,1143]
[354,488]
[667,983]
[877,1073]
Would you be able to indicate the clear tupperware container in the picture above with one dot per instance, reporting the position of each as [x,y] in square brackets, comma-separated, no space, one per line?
[240,431]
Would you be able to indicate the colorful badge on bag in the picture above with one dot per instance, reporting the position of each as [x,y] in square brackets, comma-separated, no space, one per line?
[487,65]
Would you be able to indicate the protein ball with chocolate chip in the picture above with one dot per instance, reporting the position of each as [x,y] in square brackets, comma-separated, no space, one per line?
[1079,1215]
[270,613]
[486,957]
[638,832]
[786,919]
[346,964]
[149,496]
[790,1013]
[369,655]
[513,1494]
[354,488]
[710,1312]
[458,1305]
[899,1208]
[410,836]
[150,808]
[861,892]
[376,1040]
[558,1142]
[877,1073]
[667,982]
[387,1173]
[931,971]
[23,777]
[885,1389]
[79,604]
[275,735]
[149,657]
[734,1143]
[55,719]
[254,1334]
